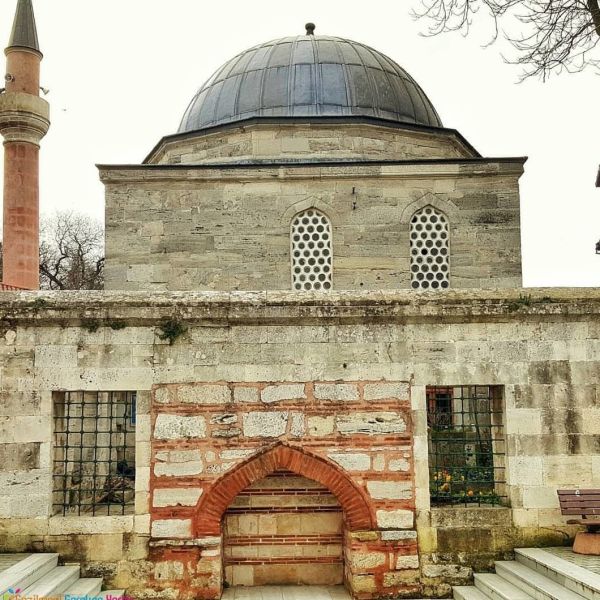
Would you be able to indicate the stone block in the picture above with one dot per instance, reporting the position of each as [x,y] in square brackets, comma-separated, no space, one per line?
[298,426]
[395,519]
[246,394]
[105,548]
[141,524]
[177,496]
[265,424]
[539,497]
[407,562]
[562,471]
[379,463]
[364,561]
[169,570]
[397,535]
[178,463]
[163,395]
[204,394]
[224,419]
[19,457]
[525,470]
[50,356]
[371,423]
[363,584]
[279,393]
[399,464]
[447,571]
[235,454]
[337,392]
[524,421]
[90,525]
[390,490]
[404,577]
[320,426]
[352,461]
[591,421]
[172,528]
[175,427]
[386,391]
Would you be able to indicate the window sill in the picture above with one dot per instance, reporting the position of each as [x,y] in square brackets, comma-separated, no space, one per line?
[471,516]
[60,525]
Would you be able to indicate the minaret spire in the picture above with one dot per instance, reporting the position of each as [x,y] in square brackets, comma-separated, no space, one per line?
[24,31]
[24,121]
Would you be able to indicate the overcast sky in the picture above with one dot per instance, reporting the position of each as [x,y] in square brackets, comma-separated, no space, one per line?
[121,73]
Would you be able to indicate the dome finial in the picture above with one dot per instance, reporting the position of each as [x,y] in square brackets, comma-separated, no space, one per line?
[310,28]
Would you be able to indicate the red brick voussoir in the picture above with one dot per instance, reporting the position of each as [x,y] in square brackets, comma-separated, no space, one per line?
[215,502]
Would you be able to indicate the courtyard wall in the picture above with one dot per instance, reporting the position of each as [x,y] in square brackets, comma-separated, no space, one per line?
[541,347]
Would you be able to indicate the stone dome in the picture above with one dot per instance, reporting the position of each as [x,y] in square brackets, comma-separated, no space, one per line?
[309,76]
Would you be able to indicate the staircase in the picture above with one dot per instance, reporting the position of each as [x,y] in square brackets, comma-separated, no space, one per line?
[40,575]
[535,574]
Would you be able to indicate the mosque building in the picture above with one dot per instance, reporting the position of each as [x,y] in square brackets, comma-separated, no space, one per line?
[313,363]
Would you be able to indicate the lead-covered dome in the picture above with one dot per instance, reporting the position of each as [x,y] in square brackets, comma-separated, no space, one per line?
[309,76]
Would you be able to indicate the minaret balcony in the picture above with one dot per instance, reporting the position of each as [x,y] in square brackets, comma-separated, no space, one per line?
[23,117]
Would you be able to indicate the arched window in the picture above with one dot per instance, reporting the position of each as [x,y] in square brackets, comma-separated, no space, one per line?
[429,250]
[311,251]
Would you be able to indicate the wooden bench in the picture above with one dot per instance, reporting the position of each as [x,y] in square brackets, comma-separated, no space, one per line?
[586,504]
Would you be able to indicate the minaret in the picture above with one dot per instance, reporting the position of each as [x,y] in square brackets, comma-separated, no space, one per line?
[24,121]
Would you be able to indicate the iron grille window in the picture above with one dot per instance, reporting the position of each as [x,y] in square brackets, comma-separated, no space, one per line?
[312,251]
[94,453]
[429,250]
[466,445]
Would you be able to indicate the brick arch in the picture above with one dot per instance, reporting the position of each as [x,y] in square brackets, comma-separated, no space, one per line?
[217,499]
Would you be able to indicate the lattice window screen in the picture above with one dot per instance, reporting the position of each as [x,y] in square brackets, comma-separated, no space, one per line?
[429,250]
[311,251]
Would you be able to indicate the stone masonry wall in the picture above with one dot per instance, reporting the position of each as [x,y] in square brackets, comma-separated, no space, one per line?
[228,228]
[542,347]
[309,142]
[214,440]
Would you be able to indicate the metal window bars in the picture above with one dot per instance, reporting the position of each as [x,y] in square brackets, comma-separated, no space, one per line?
[94,453]
[466,446]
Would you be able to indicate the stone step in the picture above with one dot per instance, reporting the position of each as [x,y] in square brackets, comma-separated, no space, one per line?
[495,587]
[533,583]
[8,560]
[464,592]
[573,577]
[86,586]
[27,571]
[54,582]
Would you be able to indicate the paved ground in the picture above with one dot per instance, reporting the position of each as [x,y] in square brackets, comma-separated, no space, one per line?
[287,592]
[591,563]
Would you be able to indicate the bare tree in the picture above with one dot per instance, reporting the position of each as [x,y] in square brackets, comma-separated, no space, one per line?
[556,35]
[71,252]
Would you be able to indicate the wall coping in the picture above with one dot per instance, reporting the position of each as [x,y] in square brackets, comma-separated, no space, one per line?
[143,308]
[298,170]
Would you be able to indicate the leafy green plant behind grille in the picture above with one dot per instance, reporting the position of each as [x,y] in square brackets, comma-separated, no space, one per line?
[466,445]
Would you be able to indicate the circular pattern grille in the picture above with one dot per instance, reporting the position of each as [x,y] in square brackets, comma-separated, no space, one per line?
[311,251]
[429,250]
